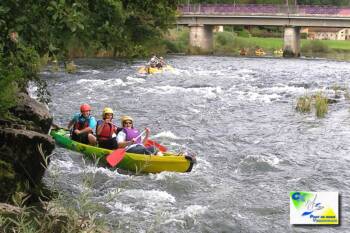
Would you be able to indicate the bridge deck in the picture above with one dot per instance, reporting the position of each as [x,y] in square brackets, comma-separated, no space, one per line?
[251,9]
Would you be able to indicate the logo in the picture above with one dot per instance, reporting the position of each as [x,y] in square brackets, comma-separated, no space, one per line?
[314,208]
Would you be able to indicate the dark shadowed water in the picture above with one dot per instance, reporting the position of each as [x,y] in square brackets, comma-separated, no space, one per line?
[238,115]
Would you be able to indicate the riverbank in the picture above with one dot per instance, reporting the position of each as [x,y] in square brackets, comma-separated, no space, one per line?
[230,43]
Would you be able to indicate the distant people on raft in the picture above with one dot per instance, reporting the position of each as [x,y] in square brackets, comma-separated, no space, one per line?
[156,62]
[82,125]
[161,63]
[106,130]
[153,61]
[129,137]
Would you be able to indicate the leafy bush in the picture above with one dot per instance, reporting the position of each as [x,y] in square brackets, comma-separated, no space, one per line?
[243,33]
[224,38]
[177,41]
[315,46]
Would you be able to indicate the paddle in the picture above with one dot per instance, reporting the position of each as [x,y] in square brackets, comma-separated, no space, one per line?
[54,126]
[150,142]
[117,155]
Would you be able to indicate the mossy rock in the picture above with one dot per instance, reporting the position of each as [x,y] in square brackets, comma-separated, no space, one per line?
[8,181]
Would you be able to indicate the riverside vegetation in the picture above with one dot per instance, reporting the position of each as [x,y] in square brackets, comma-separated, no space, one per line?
[319,101]
[33,34]
[230,42]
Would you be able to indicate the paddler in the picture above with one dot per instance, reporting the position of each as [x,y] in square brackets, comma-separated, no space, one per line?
[129,137]
[106,130]
[82,125]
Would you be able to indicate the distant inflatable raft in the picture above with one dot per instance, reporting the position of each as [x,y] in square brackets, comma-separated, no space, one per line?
[154,70]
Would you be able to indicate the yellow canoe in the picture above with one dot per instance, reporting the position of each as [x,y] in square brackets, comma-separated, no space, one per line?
[154,70]
[259,52]
[131,162]
[278,52]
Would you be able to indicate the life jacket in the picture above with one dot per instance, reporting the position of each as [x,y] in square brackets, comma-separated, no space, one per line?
[82,123]
[132,133]
[107,131]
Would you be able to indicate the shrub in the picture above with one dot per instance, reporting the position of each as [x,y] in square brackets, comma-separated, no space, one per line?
[304,104]
[243,33]
[321,105]
[315,46]
[224,38]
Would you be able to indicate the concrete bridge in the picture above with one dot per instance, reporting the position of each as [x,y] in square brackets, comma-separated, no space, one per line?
[201,18]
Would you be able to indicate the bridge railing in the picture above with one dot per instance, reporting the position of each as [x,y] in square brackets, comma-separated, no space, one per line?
[254,9]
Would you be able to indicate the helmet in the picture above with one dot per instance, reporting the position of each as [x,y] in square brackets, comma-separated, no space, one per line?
[85,107]
[106,110]
[125,118]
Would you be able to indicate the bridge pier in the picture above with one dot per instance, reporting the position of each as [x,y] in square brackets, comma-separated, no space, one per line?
[291,46]
[201,39]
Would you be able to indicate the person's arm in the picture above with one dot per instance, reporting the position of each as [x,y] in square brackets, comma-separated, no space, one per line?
[100,125]
[92,125]
[121,139]
[148,131]
[85,130]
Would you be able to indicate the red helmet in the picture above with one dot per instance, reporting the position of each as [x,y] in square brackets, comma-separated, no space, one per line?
[85,107]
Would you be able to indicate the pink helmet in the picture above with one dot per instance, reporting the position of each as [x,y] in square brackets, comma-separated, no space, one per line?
[85,107]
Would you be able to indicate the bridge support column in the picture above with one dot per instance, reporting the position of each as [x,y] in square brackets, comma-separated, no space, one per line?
[291,46]
[201,39]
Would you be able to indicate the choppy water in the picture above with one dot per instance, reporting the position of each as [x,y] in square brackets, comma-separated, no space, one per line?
[238,115]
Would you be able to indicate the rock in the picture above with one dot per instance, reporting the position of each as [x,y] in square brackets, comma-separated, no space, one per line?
[331,101]
[35,113]
[22,156]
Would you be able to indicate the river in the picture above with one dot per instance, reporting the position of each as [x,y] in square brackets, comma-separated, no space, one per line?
[238,115]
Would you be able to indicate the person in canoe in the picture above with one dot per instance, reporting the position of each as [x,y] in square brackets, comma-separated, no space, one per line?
[82,125]
[161,63]
[154,61]
[130,137]
[106,130]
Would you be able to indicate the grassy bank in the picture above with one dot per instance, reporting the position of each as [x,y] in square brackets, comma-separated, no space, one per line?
[229,43]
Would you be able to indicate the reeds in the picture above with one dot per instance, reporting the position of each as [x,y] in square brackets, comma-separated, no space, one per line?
[71,67]
[319,101]
[304,104]
[63,213]
[321,105]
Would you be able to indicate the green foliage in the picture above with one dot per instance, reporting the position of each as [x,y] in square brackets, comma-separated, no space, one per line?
[64,213]
[280,2]
[321,105]
[177,41]
[32,29]
[320,101]
[257,32]
[315,46]
[71,67]
[224,38]
[244,33]
[304,104]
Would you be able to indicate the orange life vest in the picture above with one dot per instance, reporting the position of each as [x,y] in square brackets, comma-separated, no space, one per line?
[106,132]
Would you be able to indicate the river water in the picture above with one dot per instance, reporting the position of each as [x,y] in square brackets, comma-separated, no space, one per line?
[237,115]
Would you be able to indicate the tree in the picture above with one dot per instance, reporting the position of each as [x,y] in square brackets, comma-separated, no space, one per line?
[30,29]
